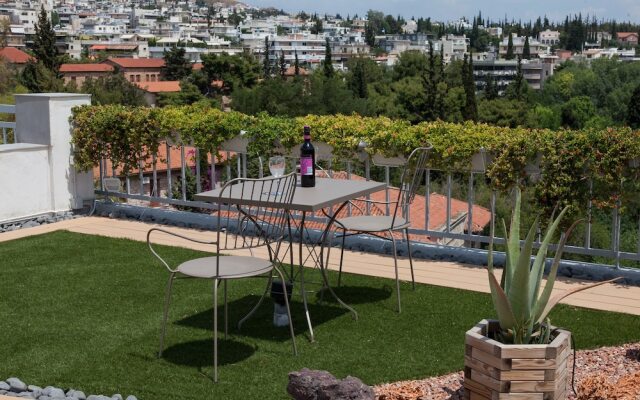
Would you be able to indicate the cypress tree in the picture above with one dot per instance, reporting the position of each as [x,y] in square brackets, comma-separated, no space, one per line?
[266,67]
[328,65]
[283,65]
[633,109]
[509,55]
[44,43]
[296,64]
[526,50]
[470,107]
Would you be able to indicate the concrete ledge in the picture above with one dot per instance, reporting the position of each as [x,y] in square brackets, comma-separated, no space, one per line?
[370,244]
[15,147]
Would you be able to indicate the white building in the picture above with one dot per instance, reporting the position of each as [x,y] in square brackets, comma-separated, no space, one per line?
[549,37]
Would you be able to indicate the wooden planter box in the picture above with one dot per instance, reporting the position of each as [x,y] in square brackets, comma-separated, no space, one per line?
[497,371]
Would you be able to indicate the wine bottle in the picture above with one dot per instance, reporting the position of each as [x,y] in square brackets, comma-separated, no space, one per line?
[307,161]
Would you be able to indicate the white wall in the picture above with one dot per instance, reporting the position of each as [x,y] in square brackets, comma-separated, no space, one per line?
[37,173]
[24,180]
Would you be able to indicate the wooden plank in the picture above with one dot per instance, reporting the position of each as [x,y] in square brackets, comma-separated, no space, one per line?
[533,363]
[522,375]
[490,359]
[532,386]
[477,396]
[472,386]
[525,351]
[488,381]
[481,367]
[558,345]
[483,343]
[521,396]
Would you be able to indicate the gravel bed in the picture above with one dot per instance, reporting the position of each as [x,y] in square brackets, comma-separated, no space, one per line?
[606,367]
[14,387]
[40,220]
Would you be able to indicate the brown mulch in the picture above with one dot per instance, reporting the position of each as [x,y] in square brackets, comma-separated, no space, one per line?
[604,373]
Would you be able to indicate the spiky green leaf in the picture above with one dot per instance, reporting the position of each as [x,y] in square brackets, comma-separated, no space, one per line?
[519,293]
[501,304]
[537,269]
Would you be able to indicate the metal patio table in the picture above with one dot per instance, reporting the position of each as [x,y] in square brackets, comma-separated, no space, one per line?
[327,194]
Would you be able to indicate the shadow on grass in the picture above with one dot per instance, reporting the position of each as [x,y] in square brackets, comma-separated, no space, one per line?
[353,295]
[260,324]
[199,353]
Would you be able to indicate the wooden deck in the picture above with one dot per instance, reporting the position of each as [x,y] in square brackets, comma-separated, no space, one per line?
[610,297]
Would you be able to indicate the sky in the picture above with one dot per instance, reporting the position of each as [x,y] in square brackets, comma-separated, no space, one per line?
[446,10]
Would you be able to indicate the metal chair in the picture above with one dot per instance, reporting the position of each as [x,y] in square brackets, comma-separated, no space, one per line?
[262,223]
[398,220]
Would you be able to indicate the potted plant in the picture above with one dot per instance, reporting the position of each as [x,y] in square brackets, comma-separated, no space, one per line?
[521,355]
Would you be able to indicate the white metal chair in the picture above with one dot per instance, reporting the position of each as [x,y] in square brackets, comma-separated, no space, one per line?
[263,223]
[398,220]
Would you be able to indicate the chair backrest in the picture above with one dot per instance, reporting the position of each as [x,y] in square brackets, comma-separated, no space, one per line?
[412,178]
[261,219]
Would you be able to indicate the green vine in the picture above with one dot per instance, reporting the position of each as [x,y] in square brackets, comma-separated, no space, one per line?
[570,161]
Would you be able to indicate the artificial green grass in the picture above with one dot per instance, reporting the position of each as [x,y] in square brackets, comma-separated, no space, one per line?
[84,312]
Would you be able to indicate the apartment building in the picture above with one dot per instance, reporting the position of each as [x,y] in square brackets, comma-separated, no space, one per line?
[535,47]
[503,72]
[310,48]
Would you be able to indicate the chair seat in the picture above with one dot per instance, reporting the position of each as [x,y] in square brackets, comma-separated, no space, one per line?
[372,223]
[230,267]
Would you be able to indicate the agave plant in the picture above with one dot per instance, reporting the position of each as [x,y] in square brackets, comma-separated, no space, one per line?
[522,310]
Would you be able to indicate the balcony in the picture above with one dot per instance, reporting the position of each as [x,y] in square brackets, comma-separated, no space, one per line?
[119,285]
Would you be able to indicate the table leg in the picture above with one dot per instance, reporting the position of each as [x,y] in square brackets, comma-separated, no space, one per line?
[303,292]
[323,240]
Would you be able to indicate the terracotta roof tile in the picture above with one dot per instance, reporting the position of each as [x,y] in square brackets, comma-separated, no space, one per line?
[86,68]
[126,62]
[15,56]
[160,86]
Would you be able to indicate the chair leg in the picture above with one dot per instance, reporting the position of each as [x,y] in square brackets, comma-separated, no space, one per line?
[395,262]
[344,235]
[165,315]
[413,279]
[255,308]
[215,330]
[286,302]
[226,311]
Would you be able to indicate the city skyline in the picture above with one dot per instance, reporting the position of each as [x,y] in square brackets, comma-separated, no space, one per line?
[621,10]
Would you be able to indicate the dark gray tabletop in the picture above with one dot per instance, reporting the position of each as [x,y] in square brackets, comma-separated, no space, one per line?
[326,193]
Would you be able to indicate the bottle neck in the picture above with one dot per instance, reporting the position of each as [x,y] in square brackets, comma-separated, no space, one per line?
[307,138]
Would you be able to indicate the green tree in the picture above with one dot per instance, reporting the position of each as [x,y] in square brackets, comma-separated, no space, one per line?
[44,43]
[510,55]
[176,66]
[411,64]
[317,27]
[266,63]
[328,63]
[526,49]
[633,109]
[491,91]
[363,71]
[283,65]
[114,89]
[576,112]
[296,63]
[5,31]
[39,79]
[188,94]
[470,111]
[238,70]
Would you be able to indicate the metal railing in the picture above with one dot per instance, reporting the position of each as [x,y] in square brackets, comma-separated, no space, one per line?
[164,179]
[8,127]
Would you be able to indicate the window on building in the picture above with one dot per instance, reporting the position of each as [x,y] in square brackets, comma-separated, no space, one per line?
[137,78]
[132,78]
[147,78]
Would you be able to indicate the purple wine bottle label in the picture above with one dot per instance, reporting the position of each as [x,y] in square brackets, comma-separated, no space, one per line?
[306,165]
